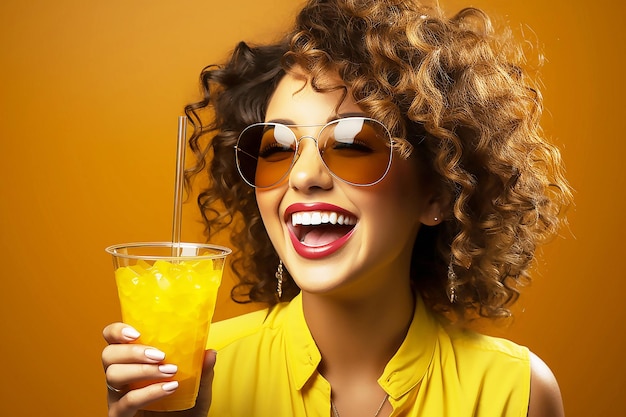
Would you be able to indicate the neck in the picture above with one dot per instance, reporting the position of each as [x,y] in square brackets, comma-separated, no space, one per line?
[365,331]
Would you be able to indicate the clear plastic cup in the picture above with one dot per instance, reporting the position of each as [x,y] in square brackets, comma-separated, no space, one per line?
[167,291]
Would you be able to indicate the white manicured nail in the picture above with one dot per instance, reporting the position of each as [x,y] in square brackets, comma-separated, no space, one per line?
[170,386]
[168,369]
[154,354]
[130,333]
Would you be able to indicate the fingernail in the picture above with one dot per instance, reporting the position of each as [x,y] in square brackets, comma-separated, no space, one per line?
[154,354]
[130,333]
[168,369]
[170,386]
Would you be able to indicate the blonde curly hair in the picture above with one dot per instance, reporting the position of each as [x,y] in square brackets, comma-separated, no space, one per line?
[453,92]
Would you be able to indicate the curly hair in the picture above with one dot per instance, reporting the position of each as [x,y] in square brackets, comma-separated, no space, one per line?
[452,91]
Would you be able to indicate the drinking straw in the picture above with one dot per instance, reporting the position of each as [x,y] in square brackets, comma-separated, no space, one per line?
[178,186]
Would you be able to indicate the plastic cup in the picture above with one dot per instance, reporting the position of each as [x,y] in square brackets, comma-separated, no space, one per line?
[167,291]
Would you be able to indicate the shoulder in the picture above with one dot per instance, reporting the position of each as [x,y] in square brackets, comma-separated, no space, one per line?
[236,329]
[473,345]
[488,370]
[501,366]
[545,395]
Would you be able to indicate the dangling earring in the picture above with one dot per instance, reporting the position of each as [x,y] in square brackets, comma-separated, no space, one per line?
[279,278]
[452,283]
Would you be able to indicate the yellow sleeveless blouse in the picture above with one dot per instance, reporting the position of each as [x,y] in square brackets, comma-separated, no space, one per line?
[267,367]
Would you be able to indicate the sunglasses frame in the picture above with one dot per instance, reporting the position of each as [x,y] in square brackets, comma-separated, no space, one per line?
[298,139]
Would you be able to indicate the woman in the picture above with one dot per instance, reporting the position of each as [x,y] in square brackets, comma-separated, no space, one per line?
[389,170]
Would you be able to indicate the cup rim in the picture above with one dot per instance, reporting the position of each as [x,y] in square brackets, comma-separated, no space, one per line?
[223,251]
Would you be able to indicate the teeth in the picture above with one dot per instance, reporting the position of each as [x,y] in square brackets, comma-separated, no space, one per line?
[315,218]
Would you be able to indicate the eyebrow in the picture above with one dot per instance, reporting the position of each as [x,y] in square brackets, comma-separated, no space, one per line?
[289,122]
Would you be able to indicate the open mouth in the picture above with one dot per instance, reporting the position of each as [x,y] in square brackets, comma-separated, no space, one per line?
[319,228]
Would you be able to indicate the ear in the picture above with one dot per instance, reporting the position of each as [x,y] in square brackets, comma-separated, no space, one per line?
[433,211]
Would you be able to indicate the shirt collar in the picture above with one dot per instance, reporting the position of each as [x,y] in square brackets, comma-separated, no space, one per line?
[407,367]
[404,371]
[303,357]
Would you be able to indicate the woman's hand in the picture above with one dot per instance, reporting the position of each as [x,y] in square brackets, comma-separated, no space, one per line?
[125,362]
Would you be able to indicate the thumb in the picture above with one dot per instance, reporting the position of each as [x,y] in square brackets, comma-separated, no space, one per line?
[206,382]
[210,356]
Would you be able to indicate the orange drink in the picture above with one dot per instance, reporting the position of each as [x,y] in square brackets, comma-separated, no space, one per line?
[169,297]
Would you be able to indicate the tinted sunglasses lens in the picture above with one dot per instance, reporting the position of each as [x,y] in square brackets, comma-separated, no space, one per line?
[265,153]
[357,150]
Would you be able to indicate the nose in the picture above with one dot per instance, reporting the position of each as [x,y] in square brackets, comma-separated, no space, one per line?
[309,172]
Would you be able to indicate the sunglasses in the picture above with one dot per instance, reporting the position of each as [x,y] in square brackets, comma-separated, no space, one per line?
[356,150]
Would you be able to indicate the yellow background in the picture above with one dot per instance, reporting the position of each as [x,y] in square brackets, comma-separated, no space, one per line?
[90,92]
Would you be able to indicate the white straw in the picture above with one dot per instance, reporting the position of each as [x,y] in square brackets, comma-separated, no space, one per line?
[178,186]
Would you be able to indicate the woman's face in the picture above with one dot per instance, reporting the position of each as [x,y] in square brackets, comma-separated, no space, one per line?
[374,248]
